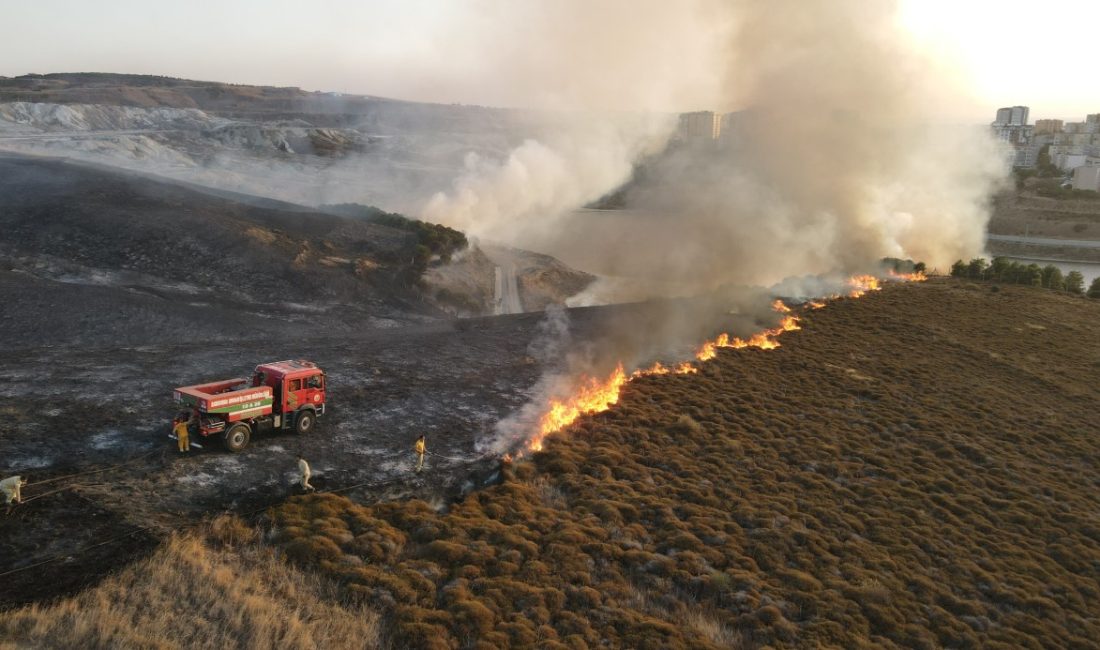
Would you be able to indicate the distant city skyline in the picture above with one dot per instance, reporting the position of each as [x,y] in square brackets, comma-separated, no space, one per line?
[449,52]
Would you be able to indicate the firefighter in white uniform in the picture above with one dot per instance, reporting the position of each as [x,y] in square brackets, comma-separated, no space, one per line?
[303,470]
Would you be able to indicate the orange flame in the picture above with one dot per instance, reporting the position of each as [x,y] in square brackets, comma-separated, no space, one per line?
[658,368]
[908,277]
[861,284]
[594,396]
[764,340]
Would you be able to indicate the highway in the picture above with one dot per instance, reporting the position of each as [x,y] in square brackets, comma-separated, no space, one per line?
[506,291]
[1045,241]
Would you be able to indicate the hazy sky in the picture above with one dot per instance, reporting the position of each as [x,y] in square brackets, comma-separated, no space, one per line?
[471,51]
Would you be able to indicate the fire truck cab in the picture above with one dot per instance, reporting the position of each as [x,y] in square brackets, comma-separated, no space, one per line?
[280,396]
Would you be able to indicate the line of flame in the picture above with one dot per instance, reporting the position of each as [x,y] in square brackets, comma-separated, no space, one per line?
[594,396]
[919,276]
[861,284]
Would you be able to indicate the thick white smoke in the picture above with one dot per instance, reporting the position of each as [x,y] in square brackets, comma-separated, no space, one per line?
[520,199]
[830,159]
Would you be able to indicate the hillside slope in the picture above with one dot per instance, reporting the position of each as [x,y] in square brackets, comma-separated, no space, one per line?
[202,589]
[914,469]
[79,246]
[304,147]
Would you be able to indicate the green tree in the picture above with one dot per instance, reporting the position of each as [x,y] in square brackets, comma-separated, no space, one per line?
[919,267]
[1044,165]
[998,270]
[1052,278]
[976,268]
[1032,274]
[1075,282]
[958,269]
[1094,288]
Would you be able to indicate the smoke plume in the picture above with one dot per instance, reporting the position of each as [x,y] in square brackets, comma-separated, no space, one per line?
[830,157]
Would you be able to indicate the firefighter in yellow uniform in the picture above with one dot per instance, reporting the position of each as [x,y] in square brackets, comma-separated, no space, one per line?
[182,435]
[12,488]
[421,449]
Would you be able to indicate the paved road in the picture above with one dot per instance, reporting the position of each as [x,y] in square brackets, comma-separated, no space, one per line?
[507,291]
[1046,241]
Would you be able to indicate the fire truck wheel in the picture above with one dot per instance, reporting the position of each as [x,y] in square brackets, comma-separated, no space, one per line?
[236,438]
[304,423]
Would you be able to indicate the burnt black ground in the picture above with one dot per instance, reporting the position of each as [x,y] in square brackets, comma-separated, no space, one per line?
[92,408]
[72,410]
[93,256]
[100,324]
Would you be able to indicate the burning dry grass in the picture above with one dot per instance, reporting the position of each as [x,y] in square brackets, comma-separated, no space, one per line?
[916,469]
[218,591]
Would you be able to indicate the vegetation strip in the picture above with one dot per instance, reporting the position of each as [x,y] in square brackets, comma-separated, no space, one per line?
[875,482]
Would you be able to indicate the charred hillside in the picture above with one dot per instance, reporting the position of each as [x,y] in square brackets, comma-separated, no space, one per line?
[93,244]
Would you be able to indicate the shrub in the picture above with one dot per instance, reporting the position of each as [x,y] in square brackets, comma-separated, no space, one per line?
[1094,288]
[313,549]
[976,268]
[1032,275]
[229,531]
[471,618]
[1052,278]
[1075,282]
[687,425]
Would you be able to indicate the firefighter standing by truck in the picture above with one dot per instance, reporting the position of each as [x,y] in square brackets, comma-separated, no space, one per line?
[281,396]
[183,437]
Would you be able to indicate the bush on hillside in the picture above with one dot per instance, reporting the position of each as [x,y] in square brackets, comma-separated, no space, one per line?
[1075,282]
[1094,288]
[432,240]
[1052,278]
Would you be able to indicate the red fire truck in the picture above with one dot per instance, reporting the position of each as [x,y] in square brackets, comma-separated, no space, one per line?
[280,396]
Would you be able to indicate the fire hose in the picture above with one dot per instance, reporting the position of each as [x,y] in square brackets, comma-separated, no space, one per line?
[488,454]
[126,462]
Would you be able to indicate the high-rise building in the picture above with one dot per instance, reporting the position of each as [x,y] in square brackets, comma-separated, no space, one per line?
[701,124]
[1011,126]
[1011,116]
[1044,127]
[1019,116]
[1092,123]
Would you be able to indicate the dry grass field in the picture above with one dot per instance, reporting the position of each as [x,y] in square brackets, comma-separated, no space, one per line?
[914,469]
[216,588]
[917,468]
